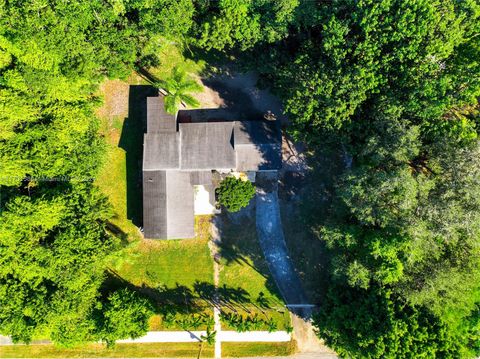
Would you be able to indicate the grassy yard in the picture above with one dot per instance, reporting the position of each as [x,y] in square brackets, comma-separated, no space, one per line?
[177,275]
[244,268]
[170,57]
[144,350]
[149,350]
[238,350]
[173,273]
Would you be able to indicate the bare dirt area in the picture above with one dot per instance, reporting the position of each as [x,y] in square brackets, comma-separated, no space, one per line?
[115,95]
[239,94]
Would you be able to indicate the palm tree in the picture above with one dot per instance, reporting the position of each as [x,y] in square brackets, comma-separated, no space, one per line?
[178,88]
[209,338]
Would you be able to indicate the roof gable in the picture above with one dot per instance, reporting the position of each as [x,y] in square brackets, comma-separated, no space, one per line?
[158,120]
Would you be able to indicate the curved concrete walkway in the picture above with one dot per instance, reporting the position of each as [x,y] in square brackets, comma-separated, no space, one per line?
[272,240]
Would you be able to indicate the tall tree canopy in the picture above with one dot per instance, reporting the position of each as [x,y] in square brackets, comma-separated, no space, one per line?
[419,56]
[396,83]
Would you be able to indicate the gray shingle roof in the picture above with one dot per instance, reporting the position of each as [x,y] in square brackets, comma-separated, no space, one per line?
[168,208]
[160,151]
[157,118]
[180,206]
[258,145]
[154,204]
[174,161]
[201,177]
[206,146]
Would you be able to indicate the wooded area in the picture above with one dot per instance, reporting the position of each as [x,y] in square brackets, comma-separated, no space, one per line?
[393,84]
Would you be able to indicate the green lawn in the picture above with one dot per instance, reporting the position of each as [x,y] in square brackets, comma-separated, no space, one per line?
[145,350]
[238,350]
[170,57]
[176,274]
[244,268]
[148,350]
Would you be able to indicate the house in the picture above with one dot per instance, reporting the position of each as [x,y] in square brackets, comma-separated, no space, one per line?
[181,157]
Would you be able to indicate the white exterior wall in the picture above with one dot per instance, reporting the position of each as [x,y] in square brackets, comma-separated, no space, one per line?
[202,203]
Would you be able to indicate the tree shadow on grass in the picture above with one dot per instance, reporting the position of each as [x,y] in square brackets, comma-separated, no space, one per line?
[181,299]
[131,141]
[239,244]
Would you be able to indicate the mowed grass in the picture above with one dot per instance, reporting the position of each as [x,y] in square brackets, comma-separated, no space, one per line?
[171,273]
[244,268]
[154,263]
[149,350]
[144,350]
[123,137]
[238,350]
[122,116]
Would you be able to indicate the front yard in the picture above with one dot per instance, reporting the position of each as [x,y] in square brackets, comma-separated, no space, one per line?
[177,275]
[244,268]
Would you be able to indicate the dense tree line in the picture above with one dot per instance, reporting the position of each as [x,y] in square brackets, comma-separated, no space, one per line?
[394,83]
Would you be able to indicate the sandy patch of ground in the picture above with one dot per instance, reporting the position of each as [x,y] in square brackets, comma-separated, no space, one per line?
[115,97]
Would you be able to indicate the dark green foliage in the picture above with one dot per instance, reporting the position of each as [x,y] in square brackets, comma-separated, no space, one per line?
[396,83]
[248,323]
[235,193]
[53,235]
[124,315]
[178,88]
[374,324]
[54,246]
[230,24]
[415,54]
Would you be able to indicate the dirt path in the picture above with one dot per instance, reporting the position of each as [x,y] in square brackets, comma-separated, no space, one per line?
[238,94]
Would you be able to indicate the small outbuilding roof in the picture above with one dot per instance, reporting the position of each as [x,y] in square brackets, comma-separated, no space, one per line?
[158,120]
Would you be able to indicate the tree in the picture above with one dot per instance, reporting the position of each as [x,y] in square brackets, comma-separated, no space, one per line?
[415,54]
[54,248]
[178,88]
[241,24]
[124,315]
[235,193]
[209,338]
[373,323]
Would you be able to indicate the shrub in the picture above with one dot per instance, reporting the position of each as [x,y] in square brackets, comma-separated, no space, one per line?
[234,194]
[125,315]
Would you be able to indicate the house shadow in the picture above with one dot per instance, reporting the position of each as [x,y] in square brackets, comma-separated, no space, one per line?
[131,140]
